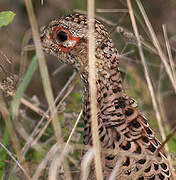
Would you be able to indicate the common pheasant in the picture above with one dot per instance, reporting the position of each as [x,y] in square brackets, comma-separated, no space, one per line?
[122,128]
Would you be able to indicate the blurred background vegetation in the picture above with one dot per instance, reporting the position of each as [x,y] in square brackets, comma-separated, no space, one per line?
[15,37]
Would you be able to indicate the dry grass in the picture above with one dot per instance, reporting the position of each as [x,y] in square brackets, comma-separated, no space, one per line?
[93,90]
[56,155]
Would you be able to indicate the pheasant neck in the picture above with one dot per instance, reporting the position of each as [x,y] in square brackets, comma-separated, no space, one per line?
[110,97]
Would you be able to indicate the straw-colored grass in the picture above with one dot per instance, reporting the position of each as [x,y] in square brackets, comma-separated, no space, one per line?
[46,149]
[93,90]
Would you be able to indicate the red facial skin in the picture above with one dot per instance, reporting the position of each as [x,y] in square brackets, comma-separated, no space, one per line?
[70,37]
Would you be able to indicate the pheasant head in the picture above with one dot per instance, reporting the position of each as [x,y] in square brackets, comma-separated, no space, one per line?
[67,39]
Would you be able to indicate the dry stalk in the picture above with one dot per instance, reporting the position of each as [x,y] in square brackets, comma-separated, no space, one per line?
[115,170]
[28,104]
[60,68]
[56,163]
[86,163]
[141,171]
[172,64]
[73,130]
[59,157]
[93,90]
[146,72]
[23,57]
[9,125]
[111,10]
[50,154]
[157,45]
[149,83]
[34,108]
[36,129]
[43,69]
[160,98]
[70,88]
[17,163]
[118,153]
[167,139]
[44,75]
[57,160]
[126,33]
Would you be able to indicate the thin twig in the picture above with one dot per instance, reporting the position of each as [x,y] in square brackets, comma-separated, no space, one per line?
[56,163]
[50,154]
[146,71]
[28,104]
[18,164]
[111,10]
[58,69]
[73,130]
[45,115]
[157,45]
[6,58]
[149,83]
[160,99]
[167,139]
[172,65]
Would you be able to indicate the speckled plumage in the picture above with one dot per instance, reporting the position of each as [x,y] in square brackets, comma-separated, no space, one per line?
[8,81]
[122,128]
[8,85]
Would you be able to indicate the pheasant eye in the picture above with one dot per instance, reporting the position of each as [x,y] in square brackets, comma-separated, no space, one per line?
[63,39]
[62,36]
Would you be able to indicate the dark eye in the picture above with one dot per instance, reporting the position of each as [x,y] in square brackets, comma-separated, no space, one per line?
[62,36]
